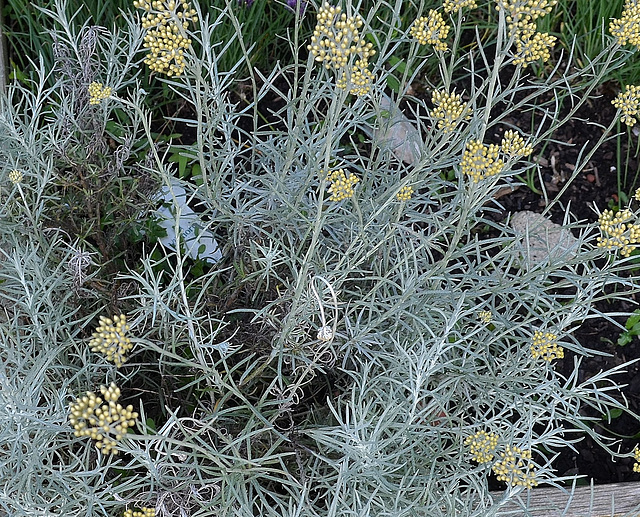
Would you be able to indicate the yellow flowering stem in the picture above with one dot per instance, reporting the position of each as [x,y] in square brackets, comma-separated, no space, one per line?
[515,468]
[405,193]
[544,346]
[106,423]
[111,340]
[451,6]
[144,512]
[482,446]
[628,103]
[626,29]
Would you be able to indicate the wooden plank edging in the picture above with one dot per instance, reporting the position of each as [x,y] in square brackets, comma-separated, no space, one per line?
[612,500]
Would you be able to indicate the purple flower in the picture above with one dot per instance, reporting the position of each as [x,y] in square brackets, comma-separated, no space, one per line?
[245,3]
[299,5]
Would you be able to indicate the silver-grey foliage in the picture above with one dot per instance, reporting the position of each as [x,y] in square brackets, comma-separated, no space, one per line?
[400,284]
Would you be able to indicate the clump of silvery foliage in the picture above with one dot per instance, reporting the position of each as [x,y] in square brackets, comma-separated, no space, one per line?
[374,336]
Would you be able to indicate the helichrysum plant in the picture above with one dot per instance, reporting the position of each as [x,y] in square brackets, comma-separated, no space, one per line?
[342,184]
[15,176]
[480,161]
[514,146]
[482,446]
[359,344]
[448,111]
[405,193]
[105,423]
[521,15]
[450,6]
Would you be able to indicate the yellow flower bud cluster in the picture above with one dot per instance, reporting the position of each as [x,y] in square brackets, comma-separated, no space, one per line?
[448,110]
[514,146]
[97,92]
[626,29]
[341,185]
[618,231]
[629,103]
[110,339]
[532,45]
[337,43]
[160,13]
[431,29]
[145,512]
[105,423]
[166,22]
[636,465]
[480,161]
[636,195]
[450,6]
[336,38]
[485,316]
[521,16]
[545,345]
[359,79]
[522,13]
[15,176]
[404,194]
[515,468]
[482,446]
